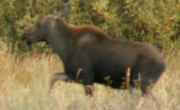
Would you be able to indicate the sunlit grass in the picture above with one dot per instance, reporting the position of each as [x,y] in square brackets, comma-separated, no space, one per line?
[24,82]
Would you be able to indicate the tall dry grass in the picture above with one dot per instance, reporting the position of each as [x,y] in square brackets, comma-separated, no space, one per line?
[24,82]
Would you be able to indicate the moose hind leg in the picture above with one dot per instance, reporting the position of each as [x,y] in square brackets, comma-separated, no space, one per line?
[149,77]
[149,72]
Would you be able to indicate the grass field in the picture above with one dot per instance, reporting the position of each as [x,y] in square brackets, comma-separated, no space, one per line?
[24,83]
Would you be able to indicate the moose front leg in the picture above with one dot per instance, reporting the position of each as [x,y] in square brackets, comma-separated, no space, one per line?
[57,76]
[86,78]
[88,90]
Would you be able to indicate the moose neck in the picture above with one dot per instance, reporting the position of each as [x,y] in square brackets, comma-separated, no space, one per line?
[59,39]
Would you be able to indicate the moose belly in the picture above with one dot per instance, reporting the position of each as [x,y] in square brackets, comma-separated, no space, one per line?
[111,77]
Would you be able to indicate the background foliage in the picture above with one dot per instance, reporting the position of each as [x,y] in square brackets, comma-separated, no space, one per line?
[151,21]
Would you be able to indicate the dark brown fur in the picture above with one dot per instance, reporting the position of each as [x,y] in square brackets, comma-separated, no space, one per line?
[89,55]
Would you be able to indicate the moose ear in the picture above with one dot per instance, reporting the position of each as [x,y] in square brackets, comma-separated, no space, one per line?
[66,9]
[61,10]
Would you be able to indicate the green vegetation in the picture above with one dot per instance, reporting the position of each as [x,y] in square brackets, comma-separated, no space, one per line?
[151,21]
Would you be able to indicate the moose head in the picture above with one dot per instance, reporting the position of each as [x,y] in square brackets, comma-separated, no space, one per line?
[45,26]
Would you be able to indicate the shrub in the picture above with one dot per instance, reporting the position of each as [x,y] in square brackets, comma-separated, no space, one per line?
[151,21]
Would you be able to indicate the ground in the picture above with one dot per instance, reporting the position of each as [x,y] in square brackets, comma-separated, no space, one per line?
[24,82]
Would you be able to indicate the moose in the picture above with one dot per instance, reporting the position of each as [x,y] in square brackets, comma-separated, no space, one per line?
[90,56]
